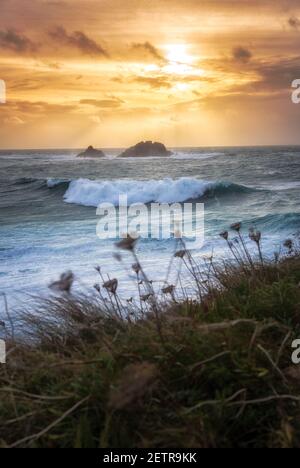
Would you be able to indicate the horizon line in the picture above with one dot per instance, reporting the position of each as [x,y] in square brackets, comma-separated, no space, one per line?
[171,147]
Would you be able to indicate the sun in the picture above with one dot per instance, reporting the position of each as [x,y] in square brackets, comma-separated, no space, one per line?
[177,53]
[179,60]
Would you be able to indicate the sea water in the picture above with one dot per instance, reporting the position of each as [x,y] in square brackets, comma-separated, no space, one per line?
[48,202]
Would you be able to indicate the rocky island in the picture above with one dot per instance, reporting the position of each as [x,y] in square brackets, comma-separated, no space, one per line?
[146,149]
[91,152]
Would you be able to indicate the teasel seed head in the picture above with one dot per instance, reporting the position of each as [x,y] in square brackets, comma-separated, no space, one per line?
[169,289]
[128,243]
[180,254]
[224,235]
[136,268]
[111,286]
[236,227]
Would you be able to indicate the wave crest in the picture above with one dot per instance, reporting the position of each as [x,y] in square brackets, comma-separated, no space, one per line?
[91,193]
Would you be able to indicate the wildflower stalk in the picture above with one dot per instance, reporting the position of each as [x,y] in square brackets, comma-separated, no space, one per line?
[255,236]
[237,227]
[246,250]
[10,320]
[128,243]
[153,299]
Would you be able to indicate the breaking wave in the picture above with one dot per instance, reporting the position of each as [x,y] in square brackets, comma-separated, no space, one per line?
[91,193]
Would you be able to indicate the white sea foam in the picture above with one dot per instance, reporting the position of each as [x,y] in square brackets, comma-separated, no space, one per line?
[92,193]
[51,183]
[287,186]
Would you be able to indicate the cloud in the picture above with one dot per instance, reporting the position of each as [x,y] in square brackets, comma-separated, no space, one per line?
[14,121]
[153,81]
[78,40]
[294,22]
[149,49]
[240,54]
[279,74]
[103,103]
[270,77]
[13,40]
[38,108]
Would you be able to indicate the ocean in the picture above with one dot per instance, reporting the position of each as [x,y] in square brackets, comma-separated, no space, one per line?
[48,209]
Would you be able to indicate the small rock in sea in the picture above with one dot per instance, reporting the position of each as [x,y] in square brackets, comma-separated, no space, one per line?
[91,152]
[146,149]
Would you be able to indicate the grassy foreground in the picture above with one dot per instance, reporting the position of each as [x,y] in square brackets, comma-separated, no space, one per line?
[210,373]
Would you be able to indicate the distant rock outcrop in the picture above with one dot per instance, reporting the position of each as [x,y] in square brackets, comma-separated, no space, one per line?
[91,152]
[146,148]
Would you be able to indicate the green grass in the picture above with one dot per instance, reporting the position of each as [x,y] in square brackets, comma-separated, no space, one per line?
[215,373]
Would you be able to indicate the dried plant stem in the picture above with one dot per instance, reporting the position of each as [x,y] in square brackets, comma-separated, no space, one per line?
[10,320]
[153,298]
[40,434]
[246,250]
[260,253]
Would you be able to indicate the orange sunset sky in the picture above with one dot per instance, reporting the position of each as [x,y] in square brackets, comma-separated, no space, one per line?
[113,72]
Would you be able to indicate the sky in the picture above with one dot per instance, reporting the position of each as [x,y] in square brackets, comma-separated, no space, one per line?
[113,72]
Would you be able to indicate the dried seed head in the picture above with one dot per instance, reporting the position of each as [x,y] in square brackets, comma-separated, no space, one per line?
[130,301]
[168,290]
[98,269]
[255,236]
[65,282]
[97,287]
[236,227]
[136,268]
[146,297]
[180,254]
[224,235]
[111,286]
[128,243]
